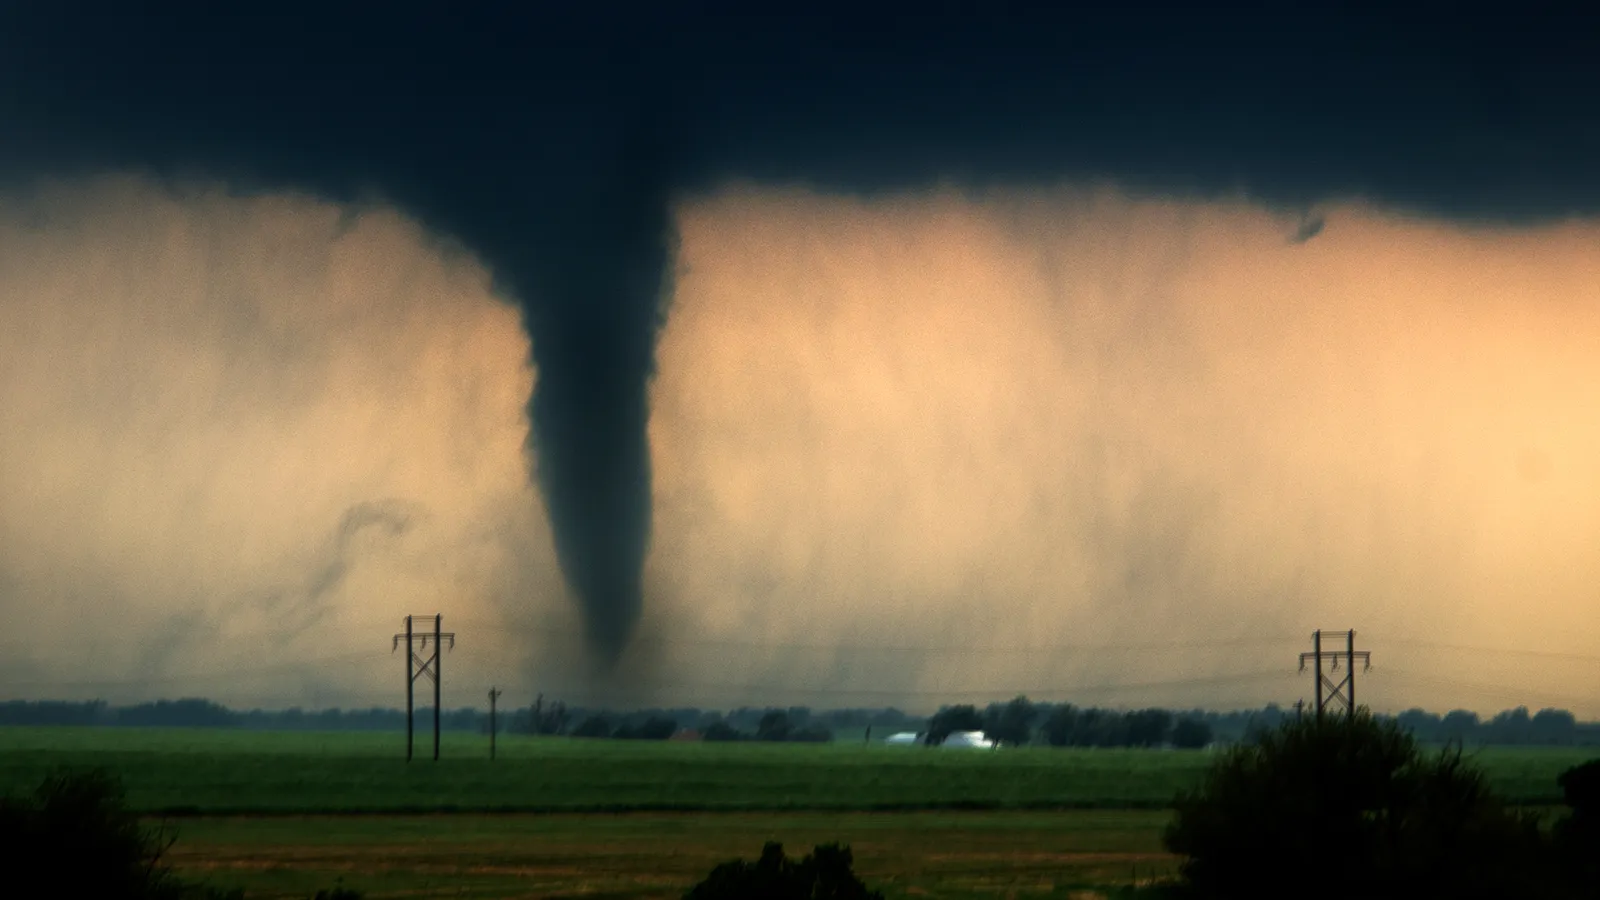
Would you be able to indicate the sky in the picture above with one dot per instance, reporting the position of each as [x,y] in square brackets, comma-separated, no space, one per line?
[880,359]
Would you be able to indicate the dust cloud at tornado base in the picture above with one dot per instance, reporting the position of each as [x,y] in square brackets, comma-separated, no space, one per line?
[897,442]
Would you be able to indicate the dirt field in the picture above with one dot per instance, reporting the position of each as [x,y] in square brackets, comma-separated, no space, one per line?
[938,855]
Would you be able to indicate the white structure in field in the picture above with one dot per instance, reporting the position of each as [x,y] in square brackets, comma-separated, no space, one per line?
[973,739]
[969,739]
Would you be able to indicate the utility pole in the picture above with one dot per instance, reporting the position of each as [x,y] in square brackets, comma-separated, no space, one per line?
[417,666]
[494,694]
[1342,691]
[438,676]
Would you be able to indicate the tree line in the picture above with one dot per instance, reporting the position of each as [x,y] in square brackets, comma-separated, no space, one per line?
[795,723]
[1017,721]
[1020,722]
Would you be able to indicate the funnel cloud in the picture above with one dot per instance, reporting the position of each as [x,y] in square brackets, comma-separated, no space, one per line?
[557,145]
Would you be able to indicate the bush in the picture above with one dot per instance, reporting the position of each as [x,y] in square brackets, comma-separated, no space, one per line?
[825,873]
[1349,807]
[75,837]
[1577,836]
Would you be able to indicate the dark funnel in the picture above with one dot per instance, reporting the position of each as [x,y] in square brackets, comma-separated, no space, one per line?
[595,298]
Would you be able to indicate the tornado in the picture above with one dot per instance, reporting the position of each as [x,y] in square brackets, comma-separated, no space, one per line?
[579,233]
[594,297]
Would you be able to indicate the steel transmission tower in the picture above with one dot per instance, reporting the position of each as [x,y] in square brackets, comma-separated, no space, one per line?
[418,665]
[1329,690]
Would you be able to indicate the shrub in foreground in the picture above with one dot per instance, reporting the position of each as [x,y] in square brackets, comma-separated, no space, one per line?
[1577,836]
[1350,807]
[75,834]
[826,873]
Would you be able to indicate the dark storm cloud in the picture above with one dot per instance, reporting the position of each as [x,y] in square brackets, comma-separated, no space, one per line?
[554,142]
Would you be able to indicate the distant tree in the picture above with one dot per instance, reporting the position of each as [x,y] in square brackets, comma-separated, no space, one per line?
[811,734]
[826,873]
[1356,790]
[799,716]
[544,719]
[189,712]
[1553,726]
[52,712]
[464,719]
[654,728]
[1101,728]
[1011,722]
[593,727]
[1191,734]
[952,718]
[774,726]
[1458,725]
[1061,725]
[1147,727]
[1513,726]
[1422,725]
[721,731]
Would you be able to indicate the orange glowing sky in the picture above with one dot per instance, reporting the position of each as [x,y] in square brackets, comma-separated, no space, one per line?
[916,449]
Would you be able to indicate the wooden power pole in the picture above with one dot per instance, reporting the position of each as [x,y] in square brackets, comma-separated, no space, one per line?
[494,694]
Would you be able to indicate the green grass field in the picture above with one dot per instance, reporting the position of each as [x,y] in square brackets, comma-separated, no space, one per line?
[282,814]
[179,771]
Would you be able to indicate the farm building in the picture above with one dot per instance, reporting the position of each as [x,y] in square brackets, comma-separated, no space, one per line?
[973,739]
[969,739]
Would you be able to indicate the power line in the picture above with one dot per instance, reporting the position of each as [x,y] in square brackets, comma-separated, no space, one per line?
[1504,651]
[968,692]
[1500,692]
[1151,647]
[233,674]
